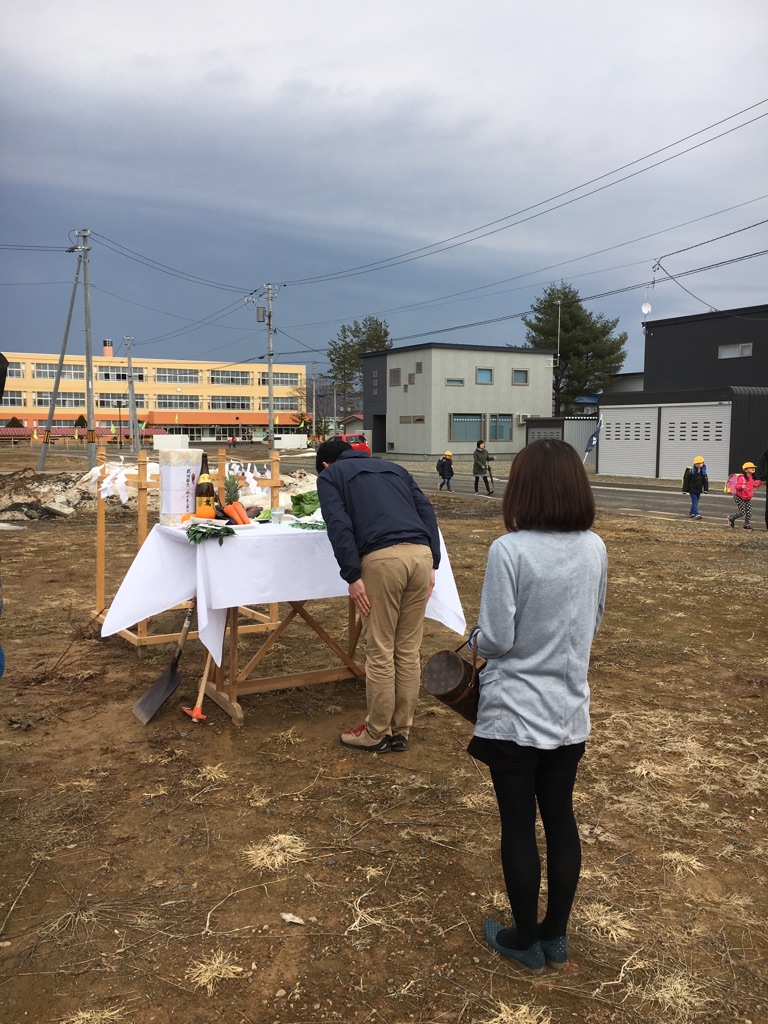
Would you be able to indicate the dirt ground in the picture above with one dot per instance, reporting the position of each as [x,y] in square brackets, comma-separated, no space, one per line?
[146,870]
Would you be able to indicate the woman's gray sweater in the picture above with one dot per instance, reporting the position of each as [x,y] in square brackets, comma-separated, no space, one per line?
[542,602]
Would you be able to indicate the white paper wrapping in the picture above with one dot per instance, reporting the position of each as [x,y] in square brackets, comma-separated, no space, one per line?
[179,468]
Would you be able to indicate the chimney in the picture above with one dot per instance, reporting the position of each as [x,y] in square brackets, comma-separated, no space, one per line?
[108,348]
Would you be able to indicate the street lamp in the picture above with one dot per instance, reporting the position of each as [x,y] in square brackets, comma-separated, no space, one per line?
[120,406]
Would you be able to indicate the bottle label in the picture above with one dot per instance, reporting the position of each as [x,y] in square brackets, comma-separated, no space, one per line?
[204,478]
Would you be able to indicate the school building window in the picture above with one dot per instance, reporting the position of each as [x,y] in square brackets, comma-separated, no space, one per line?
[110,401]
[241,402]
[173,375]
[280,403]
[47,371]
[483,375]
[519,376]
[15,370]
[239,378]
[64,399]
[279,380]
[120,373]
[12,398]
[177,402]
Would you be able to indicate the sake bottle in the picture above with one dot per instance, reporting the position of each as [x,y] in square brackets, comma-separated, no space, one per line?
[205,492]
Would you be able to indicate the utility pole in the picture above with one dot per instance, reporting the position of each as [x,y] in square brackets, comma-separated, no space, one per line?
[133,423]
[314,399]
[57,381]
[84,233]
[261,315]
[270,392]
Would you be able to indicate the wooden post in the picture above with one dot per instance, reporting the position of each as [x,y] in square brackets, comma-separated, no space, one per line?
[101,534]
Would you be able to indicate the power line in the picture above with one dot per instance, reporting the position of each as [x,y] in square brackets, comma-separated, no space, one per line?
[586,298]
[431,250]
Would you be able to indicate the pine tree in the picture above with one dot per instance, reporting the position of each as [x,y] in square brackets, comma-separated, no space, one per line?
[590,354]
[346,372]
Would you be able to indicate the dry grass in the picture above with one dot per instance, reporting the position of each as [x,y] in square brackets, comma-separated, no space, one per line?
[275,852]
[109,1016]
[207,974]
[523,1013]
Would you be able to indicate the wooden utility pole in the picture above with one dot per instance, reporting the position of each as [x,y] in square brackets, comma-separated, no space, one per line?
[57,380]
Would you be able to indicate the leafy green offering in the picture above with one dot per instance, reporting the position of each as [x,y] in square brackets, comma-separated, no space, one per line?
[264,516]
[305,504]
[308,526]
[197,533]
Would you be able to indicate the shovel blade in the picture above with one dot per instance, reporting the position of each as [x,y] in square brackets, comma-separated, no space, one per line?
[158,693]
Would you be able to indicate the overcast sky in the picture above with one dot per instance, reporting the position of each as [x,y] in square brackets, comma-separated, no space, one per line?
[253,141]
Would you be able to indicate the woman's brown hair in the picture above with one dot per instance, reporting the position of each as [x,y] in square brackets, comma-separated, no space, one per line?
[548,489]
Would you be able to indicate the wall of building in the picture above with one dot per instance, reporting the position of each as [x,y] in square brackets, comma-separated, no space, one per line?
[206,400]
[424,399]
[708,350]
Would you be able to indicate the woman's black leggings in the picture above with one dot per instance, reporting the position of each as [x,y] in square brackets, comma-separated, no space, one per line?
[548,781]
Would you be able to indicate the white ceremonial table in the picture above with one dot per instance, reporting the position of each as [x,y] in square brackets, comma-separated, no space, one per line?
[262,564]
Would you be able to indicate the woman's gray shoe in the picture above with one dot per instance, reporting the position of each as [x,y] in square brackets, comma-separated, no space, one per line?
[531,958]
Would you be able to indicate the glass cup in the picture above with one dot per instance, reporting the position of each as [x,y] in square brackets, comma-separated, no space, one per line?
[277,516]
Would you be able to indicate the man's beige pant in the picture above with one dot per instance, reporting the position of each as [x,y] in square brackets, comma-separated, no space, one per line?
[397,581]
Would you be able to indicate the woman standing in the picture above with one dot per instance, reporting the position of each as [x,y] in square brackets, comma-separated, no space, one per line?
[480,460]
[542,602]
[745,489]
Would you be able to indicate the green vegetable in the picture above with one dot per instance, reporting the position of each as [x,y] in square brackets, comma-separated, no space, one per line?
[308,526]
[197,532]
[265,515]
[305,504]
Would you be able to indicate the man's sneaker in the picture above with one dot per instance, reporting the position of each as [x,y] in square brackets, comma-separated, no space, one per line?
[399,742]
[361,739]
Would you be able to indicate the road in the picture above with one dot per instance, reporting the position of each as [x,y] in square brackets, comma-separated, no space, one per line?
[626,498]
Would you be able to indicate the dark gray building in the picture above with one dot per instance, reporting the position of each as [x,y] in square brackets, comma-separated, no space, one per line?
[705,392]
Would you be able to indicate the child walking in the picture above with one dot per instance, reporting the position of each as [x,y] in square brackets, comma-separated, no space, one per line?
[695,480]
[445,469]
[745,489]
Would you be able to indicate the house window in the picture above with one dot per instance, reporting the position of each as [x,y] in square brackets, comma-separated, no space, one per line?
[419,368]
[500,427]
[738,351]
[411,378]
[483,375]
[405,389]
[406,419]
[394,378]
[454,382]
[419,419]
[519,376]
[465,426]
[12,398]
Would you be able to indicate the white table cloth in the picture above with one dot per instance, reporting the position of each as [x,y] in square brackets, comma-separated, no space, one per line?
[261,564]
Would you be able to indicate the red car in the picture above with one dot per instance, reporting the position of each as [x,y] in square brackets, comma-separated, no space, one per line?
[357,441]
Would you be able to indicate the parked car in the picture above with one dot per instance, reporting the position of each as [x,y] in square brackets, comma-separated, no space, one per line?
[357,441]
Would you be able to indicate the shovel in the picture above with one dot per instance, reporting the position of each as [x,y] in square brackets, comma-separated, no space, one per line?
[162,688]
[196,713]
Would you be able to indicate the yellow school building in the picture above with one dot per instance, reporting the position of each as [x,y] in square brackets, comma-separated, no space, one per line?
[208,401]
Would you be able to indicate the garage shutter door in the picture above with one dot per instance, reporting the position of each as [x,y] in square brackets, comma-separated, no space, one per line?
[627,443]
[690,430]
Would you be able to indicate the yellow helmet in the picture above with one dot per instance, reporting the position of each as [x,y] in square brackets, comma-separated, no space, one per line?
[698,461]
[749,465]
[449,455]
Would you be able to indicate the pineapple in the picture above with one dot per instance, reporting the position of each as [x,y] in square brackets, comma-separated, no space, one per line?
[231,488]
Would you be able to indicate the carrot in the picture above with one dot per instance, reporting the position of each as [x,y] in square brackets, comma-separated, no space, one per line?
[236,511]
[243,514]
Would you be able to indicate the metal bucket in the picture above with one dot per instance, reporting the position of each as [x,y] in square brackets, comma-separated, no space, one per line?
[453,681]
